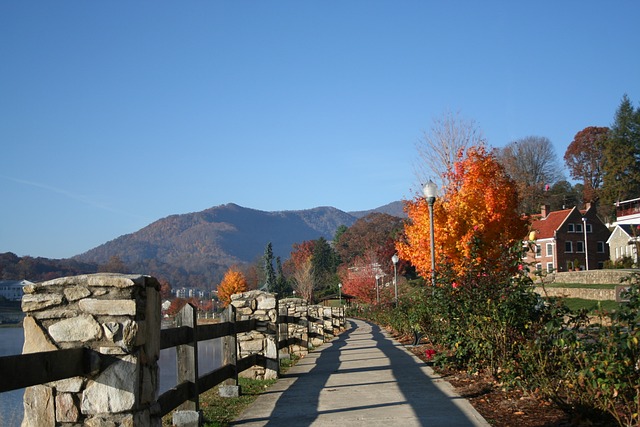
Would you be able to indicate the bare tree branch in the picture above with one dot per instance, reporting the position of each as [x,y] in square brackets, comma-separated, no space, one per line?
[439,148]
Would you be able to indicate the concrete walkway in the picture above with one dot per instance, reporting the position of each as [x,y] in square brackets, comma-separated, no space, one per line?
[362,378]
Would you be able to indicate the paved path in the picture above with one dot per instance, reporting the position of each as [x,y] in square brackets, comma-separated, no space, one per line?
[362,378]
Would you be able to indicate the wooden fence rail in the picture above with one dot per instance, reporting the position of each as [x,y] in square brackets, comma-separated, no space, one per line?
[42,367]
[185,338]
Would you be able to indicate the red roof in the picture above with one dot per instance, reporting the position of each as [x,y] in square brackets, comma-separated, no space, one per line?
[545,227]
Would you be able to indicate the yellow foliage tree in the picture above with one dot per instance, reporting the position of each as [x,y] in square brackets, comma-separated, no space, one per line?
[476,219]
[233,282]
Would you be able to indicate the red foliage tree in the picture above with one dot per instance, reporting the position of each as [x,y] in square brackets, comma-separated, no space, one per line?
[359,279]
[176,306]
[584,159]
[165,289]
[375,232]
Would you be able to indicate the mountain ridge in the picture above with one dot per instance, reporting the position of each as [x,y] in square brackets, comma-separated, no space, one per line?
[201,246]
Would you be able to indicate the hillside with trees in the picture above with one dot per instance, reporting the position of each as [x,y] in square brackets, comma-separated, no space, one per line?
[196,249]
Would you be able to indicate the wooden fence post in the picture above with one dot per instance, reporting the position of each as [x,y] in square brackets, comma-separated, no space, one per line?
[230,388]
[188,413]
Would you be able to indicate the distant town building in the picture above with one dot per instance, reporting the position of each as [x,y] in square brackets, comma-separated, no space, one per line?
[190,293]
[12,290]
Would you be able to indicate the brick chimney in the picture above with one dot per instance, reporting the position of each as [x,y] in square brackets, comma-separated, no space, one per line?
[544,210]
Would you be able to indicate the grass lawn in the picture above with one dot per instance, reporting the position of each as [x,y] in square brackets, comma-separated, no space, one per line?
[220,411]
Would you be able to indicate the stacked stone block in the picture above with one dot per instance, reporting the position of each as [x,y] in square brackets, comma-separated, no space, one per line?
[316,326]
[297,327]
[262,307]
[337,318]
[116,317]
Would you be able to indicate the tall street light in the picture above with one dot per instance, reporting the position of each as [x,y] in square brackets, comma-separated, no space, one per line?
[586,251]
[394,260]
[378,277]
[430,191]
[340,293]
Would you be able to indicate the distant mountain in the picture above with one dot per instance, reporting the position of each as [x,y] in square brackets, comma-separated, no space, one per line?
[393,208]
[197,248]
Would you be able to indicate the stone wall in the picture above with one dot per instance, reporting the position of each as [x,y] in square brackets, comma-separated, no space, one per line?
[118,318]
[309,326]
[589,277]
[583,293]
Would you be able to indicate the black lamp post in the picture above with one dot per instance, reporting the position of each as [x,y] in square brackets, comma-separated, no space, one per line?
[394,260]
[430,191]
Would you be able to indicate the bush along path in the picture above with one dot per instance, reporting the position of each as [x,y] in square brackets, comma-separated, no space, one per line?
[521,359]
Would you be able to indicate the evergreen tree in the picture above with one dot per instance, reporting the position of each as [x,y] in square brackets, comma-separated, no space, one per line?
[269,272]
[622,155]
[282,284]
[324,264]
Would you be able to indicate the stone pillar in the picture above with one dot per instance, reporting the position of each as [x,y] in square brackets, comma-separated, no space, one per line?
[296,309]
[262,307]
[118,318]
[316,325]
[327,316]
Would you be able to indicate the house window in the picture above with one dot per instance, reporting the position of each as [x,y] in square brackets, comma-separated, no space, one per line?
[539,267]
[600,247]
[589,228]
[538,251]
[580,246]
[578,228]
[570,228]
[568,246]
[549,267]
[617,252]
[549,249]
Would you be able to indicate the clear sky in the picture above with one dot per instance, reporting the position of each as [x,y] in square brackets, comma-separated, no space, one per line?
[114,114]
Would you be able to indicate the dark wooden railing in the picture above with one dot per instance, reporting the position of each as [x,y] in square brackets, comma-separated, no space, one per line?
[185,338]
[45,366]
[42,367]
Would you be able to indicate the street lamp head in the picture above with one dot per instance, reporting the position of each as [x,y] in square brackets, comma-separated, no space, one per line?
[430,191]
[339,285]
[395,259]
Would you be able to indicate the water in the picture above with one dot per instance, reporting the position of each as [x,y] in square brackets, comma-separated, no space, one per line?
[209,358]
[12,339]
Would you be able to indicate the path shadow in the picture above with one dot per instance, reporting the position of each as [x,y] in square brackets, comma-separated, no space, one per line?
[428,405]
[298,405]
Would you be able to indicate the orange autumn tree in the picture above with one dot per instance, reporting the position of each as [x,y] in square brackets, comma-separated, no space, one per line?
[233,282]
[476,219]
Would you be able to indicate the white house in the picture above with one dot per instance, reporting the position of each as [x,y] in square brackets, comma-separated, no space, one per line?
[623,242]
[12,289]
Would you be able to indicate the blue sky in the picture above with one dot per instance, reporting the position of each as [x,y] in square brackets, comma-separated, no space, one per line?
[116,114]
